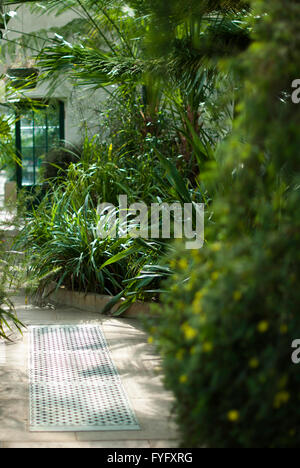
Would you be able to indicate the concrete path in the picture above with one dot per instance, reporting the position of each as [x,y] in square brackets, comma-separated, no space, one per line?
[6,215]
[136,362]
[2,183]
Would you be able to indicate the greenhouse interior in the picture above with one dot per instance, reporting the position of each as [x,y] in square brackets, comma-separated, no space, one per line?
[149,226]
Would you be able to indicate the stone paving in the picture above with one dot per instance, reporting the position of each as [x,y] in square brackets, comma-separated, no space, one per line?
[2,183]
[136,361]
[6,215]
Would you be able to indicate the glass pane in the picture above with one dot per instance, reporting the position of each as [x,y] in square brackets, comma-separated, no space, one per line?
[53,125]
[27,132]
[40,132]
[28,166]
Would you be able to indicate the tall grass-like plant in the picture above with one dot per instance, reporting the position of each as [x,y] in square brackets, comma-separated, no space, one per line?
[8,319]
[60,236]
[62,244]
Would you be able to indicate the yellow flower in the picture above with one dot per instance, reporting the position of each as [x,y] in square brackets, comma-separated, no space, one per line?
[283,328]
[183,264]
[215,275]
[233,415]
[150,339]
[280,399]
[196,306]
[263,326]
[196,255]
[253,363]
[180,354]
[197,303]
[216,246]
[237,296]
[183,378]
[207,347]
[188,331]
[199,295]
[110,150]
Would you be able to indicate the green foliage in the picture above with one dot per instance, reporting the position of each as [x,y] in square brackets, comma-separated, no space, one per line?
[226,327]
[6,147]
[4,129]
[115,48]
[229,313]
[8,318]
[157,134]
[61,242]
[60,237]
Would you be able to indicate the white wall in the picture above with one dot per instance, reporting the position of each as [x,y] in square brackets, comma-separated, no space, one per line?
[79,103]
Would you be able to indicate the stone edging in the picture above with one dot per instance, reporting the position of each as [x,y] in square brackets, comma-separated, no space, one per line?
[91,302]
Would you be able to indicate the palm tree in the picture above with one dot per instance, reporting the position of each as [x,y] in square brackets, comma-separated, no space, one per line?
[167,51]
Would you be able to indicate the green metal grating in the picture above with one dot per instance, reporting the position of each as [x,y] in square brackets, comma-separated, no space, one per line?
[74,384]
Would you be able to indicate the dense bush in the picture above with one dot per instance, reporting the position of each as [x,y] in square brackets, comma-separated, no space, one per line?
[226,328]
[226,334]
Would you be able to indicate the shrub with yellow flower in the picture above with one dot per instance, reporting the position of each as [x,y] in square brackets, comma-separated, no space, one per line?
[233,415]
[263,326]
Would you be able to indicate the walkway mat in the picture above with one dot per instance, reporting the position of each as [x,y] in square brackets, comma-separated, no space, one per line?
[73,382]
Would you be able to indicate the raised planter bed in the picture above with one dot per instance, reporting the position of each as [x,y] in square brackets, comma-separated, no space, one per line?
[91,302]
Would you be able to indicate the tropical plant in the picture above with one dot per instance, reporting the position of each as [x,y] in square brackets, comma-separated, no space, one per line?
[61,243]
[160,138]
[7,154]
[60,236]
[112,50]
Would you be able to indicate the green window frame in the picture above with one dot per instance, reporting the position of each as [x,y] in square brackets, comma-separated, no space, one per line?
[37,131]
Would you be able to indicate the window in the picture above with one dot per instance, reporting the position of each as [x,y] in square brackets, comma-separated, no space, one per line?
[37,132]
